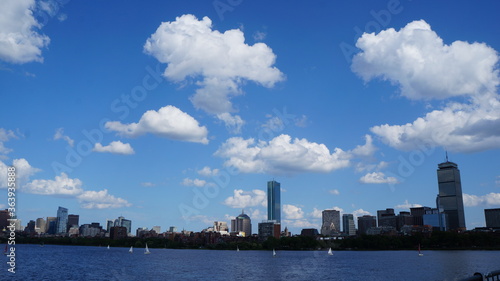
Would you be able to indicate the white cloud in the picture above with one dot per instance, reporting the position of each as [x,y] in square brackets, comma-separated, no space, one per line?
[220,62]
[274,124]
[301,121]
[300,223]
[407,205]
[168,121]
[148,184]
[365,150]
[425,68]
[233,122]
[207,172]
[259,36]
[20,41]
[377,178]
[101,200]
[362,167]
[194,182]
[281,155]
[243,199]
[61,185]
[317,214]
[60,135]
[360,213]
[334,191]
[292,212]
[336,208]
[5,135]
[23,172]
[416,58]
[490,199]
[116,147]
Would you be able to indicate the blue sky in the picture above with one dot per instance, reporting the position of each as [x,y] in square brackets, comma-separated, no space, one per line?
[176,113]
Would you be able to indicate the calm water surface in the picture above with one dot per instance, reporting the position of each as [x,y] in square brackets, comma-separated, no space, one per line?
[97,263]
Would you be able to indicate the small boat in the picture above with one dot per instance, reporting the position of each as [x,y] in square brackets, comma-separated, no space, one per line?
[6,250]
[274,253]
[108,247]
[330,253]
[146,251]
[237,249]
[419,253]
[131,249]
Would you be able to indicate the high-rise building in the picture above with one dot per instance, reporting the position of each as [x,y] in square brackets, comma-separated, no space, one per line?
[331,222]
[121,221]
[157,229]
[242,223]
[172,229]
[4,216]
[387,217]
[418,214]
[348,224]
[269,228]
[273,201]
[366,222]
[404,218]
[436,219]
[221,227]
[450,195]
[492,217]
[73,220]
[51,225]
[40,225]
[62,221]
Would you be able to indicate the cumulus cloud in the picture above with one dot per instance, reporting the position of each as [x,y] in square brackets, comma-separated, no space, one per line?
[292,212]
[490,199]
[334,191]
[360,213]
[416,59]
[317,214]
[116,147]
[194,182]
[20,40]
[300,223]
[60,135]
[362,166]
[23,172]
[243,199]
[365,150]
[207,172]
[219,62]
[5,135]
[101,200]
[281,155]
[61,185]
[377,178]
[233,122]
[407,205]
[168,121]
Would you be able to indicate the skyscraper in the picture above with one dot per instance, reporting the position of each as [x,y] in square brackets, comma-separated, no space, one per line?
[62,220]
[273,201]
[73,220]
[331,222]
[450,195]
[348,224]
[242,223]
[492,217]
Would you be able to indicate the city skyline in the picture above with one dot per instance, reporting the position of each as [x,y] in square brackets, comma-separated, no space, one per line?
[178,113]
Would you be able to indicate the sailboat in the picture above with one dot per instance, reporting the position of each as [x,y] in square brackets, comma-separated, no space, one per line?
[237,249]
[274,253]
[419,253]
[146,251]
[330,253]
[131,249]
[108,247]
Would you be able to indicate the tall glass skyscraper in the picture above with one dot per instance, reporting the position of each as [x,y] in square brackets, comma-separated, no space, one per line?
[273,201]
[62,220]
[450,198]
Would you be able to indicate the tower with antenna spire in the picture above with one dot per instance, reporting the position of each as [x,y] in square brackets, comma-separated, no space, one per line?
[450,198]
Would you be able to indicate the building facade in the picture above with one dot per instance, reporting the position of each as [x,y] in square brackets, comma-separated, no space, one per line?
[62,221]
[450,195]
[366,222]
[492,217]
[242,223]
[269,228]
[348,224]
[331,222]
[274,201]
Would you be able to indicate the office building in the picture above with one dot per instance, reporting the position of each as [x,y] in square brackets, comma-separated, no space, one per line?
[450,195]
[242,223]
[4,216]
[121,221]
[221,227]
[492,217]
[387,218]
[348,224]
[73,220]
[331,222]
[40,225]
[269,228]
[118,232]
[366,222]
[51,225]
[404,218]
[274,201]
[418,214]
[157,229]
[172,229]
[436,219]
[30,228]
[62,221]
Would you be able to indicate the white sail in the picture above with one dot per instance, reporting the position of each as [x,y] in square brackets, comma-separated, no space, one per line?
[146,251]
[237,249]
[274,253]
[330,253]
[108,247]
[131,249]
